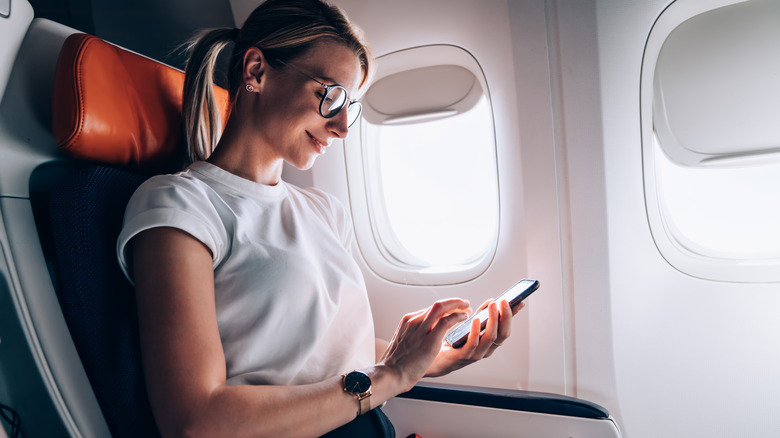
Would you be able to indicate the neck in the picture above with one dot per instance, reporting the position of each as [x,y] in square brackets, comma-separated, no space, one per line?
[242,153]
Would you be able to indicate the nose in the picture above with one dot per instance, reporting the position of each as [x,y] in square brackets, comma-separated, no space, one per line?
[338,124]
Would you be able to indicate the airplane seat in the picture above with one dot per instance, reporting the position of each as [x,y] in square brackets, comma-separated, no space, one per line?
[82,124]
[41,376]
[121,111]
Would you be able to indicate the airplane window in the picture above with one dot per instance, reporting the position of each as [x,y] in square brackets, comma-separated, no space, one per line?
[434,196]
[730,212]
[711,142]
[426,195]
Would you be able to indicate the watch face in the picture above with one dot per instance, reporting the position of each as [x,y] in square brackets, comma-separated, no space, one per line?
[357,382]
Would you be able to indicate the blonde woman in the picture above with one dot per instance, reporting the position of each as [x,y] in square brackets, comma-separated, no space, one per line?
[253,315]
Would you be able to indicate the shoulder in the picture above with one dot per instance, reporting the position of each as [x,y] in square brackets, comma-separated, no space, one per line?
[325,203]
[330,209]
[186,193]
[183,201]
[179,187]
[319,196]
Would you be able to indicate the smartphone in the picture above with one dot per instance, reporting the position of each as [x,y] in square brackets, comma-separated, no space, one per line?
[514,295]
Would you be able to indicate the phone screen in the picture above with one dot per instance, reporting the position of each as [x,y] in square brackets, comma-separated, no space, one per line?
[514,295]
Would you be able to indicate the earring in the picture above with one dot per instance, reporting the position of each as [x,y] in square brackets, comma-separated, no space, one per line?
[250,88]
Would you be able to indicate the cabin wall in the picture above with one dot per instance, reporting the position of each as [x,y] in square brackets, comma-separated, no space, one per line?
[668,354]
[581,187]
[693,357]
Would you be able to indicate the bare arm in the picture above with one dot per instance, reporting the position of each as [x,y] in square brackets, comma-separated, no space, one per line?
[184,363]
[381,346]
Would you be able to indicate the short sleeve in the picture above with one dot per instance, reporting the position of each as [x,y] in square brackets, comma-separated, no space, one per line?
[177,202]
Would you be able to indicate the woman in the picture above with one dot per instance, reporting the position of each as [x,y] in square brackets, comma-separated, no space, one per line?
[253,314]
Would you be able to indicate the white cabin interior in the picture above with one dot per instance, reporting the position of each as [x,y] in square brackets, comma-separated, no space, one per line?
[634,165]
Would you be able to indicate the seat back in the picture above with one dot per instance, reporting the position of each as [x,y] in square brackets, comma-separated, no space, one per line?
[70,362]
[97,301]
[113,107]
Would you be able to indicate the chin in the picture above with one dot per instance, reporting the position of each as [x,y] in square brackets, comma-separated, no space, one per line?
[303,165]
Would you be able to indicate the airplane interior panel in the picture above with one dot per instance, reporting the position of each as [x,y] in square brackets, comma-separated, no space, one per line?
[622,153]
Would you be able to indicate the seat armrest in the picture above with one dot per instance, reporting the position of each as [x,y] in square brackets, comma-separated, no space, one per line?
[515,400]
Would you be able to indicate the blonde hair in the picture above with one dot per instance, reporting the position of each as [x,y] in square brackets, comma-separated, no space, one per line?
[283,30]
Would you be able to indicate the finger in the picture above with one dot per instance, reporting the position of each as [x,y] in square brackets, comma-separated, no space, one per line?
[491,328]
[447,322]
[488,339]
[407,324]
[418,314]
[472,341]
[411,317]
[504,321]
[485,304]
[517,308]
[443,308]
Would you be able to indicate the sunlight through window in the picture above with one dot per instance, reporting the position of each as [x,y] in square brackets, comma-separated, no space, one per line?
[436,184]
[730,212]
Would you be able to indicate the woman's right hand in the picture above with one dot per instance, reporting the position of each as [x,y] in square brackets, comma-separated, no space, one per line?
[418,339]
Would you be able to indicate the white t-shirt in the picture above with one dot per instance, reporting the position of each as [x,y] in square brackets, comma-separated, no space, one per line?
[291,301]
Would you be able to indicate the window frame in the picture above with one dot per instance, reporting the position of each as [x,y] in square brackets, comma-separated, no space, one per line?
[367,221]
[672,247]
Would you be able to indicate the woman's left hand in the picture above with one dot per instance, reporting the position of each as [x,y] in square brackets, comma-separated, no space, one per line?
[477,346]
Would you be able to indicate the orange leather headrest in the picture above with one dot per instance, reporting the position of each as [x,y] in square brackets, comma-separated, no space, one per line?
[117,107]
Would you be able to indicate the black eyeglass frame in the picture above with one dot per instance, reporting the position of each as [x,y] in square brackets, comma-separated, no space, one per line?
[347,103]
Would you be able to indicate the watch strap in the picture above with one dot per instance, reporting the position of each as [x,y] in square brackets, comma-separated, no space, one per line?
[364,398]
[364,402]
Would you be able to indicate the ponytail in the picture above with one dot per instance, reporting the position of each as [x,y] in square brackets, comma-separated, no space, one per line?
[283,30]
[202,124]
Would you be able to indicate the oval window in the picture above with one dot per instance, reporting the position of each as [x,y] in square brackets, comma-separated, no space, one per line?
[423,179]
[711,141]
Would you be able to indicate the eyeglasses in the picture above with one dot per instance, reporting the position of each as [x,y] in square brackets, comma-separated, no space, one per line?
[334,100]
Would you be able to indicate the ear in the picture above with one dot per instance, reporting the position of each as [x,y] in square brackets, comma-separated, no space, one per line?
[254,67]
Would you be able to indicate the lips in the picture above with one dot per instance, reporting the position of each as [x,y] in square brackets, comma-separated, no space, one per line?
[319,145]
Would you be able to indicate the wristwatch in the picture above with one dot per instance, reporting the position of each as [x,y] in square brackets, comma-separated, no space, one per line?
[359,384]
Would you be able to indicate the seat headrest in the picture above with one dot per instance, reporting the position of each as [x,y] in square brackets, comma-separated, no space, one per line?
[117,107]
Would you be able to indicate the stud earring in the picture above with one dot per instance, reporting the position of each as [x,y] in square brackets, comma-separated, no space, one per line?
[250,88]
